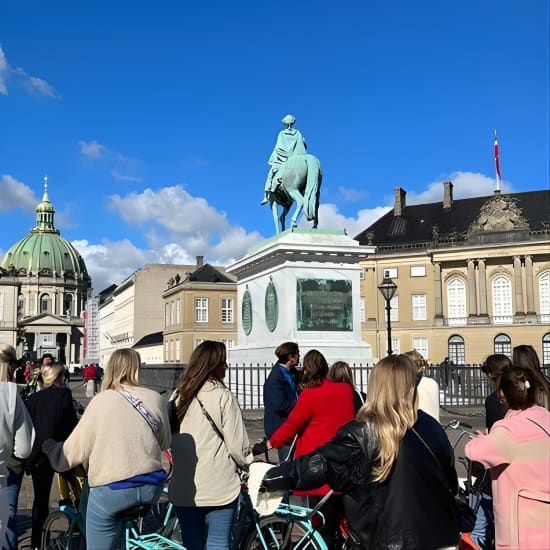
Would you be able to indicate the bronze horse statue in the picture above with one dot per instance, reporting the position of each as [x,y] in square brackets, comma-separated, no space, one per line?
[299,180]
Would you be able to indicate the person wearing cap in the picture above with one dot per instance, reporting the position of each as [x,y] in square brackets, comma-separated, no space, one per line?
[53,416]
[290,142]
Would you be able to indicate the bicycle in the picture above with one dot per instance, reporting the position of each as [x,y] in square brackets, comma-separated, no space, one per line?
[65,529]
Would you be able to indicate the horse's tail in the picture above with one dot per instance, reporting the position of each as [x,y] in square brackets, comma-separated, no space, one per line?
[313,183]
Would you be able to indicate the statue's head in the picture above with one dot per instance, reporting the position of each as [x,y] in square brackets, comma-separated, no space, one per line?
[288,120]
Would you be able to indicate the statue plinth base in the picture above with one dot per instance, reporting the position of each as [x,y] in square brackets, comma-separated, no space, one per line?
[302,285]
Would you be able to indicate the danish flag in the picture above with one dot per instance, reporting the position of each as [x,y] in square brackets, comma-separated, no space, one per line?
[497,158]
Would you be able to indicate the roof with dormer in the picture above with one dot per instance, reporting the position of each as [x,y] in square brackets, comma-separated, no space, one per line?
[44,251]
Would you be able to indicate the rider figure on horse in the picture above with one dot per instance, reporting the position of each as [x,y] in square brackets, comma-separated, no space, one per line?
[290,142]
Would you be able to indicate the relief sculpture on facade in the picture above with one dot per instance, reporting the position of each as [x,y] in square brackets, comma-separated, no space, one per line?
[499,213]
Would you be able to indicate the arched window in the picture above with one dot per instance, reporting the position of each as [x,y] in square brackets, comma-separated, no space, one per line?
[502,300]
[544,297]
[456,349]
[44,303]
[503,345]
[21,306]
[456,301]
[546,350]
[68,305]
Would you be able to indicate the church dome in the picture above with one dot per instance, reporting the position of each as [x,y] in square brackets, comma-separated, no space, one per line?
[43,251]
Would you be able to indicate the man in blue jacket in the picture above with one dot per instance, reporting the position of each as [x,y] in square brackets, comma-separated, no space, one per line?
[281,391]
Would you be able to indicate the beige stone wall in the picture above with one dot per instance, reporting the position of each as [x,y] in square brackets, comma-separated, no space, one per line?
[8,314]
[188,331]
[521,263]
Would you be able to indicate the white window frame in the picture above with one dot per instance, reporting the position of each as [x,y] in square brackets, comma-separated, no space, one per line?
[395,345]
[178,311]
[48,309]
[172,313]
[198,342]
[167,351]
[46,339]
[201,310]
[418,270]
[420,344]
[502,300]
[419,307]
[226,310]
[362,275]
[167,315]
[391,272]
[178,350]
[544,297]
[394,311]
[457,313]
[229,343]
[362,309]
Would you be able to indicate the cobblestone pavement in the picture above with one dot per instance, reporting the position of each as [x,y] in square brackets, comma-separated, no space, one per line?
[254,425]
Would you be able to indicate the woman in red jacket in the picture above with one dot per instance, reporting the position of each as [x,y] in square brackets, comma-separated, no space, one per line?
[322,408]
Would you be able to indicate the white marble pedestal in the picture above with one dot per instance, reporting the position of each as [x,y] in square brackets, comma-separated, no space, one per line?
[301,286]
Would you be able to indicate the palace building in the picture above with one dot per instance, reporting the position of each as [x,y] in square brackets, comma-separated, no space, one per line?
[44,286]
[472,275]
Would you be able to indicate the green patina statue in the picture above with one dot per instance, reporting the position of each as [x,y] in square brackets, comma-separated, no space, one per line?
[294,176]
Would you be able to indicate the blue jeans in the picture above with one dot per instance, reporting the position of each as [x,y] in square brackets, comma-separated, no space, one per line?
[104,529]
[13,487]
[206,526]
[483,533]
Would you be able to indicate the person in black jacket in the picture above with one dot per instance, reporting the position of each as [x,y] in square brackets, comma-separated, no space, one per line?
[281,391]
[53,416]
[394,464]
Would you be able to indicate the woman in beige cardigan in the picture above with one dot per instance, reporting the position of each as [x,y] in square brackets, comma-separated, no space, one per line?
[209,450]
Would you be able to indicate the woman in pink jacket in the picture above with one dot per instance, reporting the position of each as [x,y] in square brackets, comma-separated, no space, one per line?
[517,451]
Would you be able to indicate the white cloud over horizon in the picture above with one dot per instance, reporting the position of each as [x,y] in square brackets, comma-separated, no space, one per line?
[120,167]
[16,194]
[20,77]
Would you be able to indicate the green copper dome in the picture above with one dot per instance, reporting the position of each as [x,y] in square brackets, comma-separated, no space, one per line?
[43,251]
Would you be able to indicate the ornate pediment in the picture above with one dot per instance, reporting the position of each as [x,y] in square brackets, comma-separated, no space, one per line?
[499,213]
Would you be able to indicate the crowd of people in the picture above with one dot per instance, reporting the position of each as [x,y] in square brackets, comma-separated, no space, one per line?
[384,454]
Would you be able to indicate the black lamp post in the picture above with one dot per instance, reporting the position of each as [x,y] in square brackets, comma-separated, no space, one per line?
[387,288]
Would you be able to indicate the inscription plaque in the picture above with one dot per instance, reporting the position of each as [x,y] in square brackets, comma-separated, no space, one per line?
[324,304]
[246,312]
[271,306]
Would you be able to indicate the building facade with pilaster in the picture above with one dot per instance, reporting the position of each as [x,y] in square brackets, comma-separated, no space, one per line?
[472,275]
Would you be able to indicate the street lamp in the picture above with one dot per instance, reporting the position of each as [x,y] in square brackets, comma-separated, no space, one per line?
[387,288]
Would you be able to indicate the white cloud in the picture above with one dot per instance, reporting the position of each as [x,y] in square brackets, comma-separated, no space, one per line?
[92,149]
[3,72]
[465,185]
[351,194]
[124,177]
[330,217]
[33,84]
[15,194]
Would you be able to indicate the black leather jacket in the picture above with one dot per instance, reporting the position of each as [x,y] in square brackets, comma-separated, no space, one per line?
[413,509]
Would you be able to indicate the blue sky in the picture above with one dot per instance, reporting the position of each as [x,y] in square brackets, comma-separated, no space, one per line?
[154,120]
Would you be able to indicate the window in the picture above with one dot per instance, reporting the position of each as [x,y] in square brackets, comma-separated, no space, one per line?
[456,350]
[198,341]
[419,307]
[201,310]
[68,305]
[172,312]
[362,310]
[44,303]
[362,274]
[178,351]
[166,350]
[502,300]
[20,306]
[395,345]
[227,310]
[394,311]
[544,297]
[228,343]
[178,311]
[503,345]
[456,301]
[167,314]
[418,270]
[546,350]
[420,344]
[390,272]
[47,339]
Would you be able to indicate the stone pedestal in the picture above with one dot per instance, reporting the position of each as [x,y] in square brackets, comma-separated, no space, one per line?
[301,286]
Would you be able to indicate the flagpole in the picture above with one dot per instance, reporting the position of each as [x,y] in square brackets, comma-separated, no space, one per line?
[497,164]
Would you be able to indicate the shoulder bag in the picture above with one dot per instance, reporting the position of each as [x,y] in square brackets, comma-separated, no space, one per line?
[466,516]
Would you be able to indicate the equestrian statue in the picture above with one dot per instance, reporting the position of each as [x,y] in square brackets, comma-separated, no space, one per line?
[294,176]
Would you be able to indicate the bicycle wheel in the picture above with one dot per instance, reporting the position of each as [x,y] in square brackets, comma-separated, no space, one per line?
[279,534]
[57,535]
[161,519]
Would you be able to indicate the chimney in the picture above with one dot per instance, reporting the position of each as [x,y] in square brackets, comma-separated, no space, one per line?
[400,200]
[200,260]
[447,194]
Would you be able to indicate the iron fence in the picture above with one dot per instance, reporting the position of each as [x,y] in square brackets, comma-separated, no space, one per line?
[459,385]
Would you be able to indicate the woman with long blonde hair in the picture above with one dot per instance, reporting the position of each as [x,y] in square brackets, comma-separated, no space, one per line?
[394,464]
